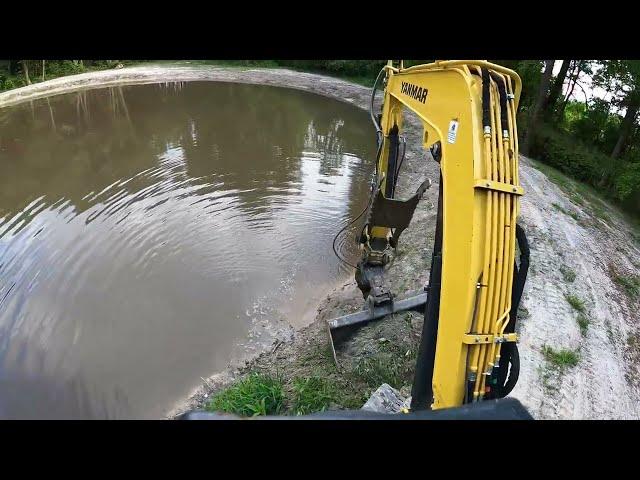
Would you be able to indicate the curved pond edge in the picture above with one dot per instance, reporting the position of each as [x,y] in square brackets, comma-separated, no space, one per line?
[353,94]
[145,74]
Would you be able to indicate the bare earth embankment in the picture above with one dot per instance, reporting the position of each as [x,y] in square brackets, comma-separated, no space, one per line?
[579,322]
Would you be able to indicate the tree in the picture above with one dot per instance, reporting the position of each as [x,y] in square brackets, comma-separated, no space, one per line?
[537,107]
[622,77]
[577,68]
[632,104]
[25,69]
[556,88]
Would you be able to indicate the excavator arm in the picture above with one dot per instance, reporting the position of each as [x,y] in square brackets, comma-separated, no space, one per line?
[467,109]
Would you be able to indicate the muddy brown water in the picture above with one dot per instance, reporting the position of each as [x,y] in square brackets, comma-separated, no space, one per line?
[151,234]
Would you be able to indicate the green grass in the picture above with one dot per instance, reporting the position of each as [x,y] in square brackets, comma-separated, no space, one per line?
[573,215]
[311,382]
[553,174]
[561,359]
[312,394]
[567,273]
[583,324]
[576,303]
[256,394]
[610,333]
[576,198]
[630,284]
[523,312]
[375,371]
[577,192]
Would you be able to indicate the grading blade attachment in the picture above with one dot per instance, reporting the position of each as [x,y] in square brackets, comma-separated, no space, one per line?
[340,328]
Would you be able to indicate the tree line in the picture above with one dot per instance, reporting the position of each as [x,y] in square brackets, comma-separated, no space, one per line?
[584,121]
[593,138]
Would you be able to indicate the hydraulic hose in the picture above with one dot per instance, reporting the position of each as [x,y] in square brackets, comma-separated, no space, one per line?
[502,89]
[373,96]
[486,105]
[379,149]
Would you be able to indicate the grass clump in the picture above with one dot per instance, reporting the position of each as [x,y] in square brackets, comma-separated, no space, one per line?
[576,303]
[312,394]
[256,394]
[583,324]
[573,215]
[377,370]
[630,284]
[562,358]
[576,198]
[568,274]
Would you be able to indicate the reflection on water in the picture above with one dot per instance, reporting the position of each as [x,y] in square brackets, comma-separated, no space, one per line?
[150,234]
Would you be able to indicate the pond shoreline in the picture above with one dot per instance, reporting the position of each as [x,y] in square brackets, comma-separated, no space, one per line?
[149,73]
[604,383]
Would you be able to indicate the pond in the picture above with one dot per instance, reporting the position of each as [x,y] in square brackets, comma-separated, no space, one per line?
[152,234]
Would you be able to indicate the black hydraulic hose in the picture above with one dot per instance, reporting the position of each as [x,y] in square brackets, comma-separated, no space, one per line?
[404,151]
[373,96]
[422,389]
[486,100]
[392,162]
[379,150]
[510,355]
[502,90]
[514,373]
[335,251]
[521,277]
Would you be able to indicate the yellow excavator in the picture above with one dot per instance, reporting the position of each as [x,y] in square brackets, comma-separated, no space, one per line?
[467,359]
[468,112]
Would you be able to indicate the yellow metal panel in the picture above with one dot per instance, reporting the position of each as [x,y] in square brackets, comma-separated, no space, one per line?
[499,186]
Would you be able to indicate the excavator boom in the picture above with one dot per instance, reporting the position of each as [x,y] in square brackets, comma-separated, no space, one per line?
[467,109]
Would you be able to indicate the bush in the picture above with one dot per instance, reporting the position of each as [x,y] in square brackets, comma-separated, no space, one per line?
[7,84]
[627,184]
[58,68]
[556,148]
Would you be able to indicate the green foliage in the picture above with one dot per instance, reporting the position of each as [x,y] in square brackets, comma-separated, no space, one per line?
[595,126]
[312,394]
[561,359]
[630,284]
[59,68]
[572,157]
[567,273]
[583,324]
[256,394]
[573,113]
[627,184]
[576,303]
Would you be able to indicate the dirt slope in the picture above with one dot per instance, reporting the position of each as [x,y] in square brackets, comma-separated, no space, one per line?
[580,233]
[569,229]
